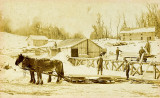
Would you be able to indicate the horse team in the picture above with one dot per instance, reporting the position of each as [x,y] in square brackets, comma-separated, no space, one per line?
[39,66]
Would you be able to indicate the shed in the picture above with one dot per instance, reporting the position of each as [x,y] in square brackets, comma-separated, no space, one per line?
[138,34]
[80,48]
[37,40]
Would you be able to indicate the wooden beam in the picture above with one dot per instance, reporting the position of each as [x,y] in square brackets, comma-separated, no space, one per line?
[113,65]
[158,72]
[87,46]
[106,64]
[137,69]
[154,67]
[119,66]
[132,70]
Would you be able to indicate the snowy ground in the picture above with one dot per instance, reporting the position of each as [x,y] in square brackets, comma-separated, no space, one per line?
[15,81]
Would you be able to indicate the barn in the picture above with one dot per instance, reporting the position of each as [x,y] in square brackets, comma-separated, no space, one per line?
[80,48]
[37,40]
[138,34]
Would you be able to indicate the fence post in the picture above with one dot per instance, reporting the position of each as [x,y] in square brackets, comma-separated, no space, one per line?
[141,69]
[123,66]
[131,69]
[154,71]
[112,64]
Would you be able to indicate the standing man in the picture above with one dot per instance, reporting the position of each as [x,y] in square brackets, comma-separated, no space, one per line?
[127,68]
[117,53]
[55,45]
[100,64]
[148,47]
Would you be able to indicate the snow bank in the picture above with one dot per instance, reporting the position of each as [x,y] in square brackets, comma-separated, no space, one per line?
[11,44]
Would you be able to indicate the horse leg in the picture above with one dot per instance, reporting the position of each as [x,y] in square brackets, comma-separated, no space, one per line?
[40,74]
[49,78]
[31,77]
[37,78]
[57,79]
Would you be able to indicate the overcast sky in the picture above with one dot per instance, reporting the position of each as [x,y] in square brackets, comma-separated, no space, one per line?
[73,15]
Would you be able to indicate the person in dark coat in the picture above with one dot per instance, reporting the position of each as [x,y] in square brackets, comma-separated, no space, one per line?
[55,45]
[141,51]
[148,47]
[100,64]
[127,68]
[117,53]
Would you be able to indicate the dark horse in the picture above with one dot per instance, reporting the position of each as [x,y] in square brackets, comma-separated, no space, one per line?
[40,66]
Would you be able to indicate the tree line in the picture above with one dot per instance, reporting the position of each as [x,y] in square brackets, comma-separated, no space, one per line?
[38,28]
[151,18]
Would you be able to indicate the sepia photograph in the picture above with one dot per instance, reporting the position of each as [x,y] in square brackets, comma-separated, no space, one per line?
[79,48]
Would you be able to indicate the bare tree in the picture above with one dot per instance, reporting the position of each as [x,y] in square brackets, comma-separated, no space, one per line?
[118,24]
[110,25]
[151,18]
[98,28]
[106,32]
[124,25]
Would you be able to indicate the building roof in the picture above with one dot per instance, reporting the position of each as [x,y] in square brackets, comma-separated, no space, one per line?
[140,30]
[69,43]
[72,42]
[37,37]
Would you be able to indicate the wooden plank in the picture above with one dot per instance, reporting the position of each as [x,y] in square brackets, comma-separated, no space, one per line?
[74,75]
[140,63]
[79,62]
[119,66]
[113,65]
[154,67]
[158,76]
[106,64]
[158,72]
[148,65]
[137,70]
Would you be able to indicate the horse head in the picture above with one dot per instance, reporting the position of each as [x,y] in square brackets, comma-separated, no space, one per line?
[25,63]
[19,59]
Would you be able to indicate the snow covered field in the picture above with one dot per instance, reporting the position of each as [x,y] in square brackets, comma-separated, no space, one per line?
[15,81]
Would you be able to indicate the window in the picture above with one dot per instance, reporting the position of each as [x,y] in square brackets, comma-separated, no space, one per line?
[148,38]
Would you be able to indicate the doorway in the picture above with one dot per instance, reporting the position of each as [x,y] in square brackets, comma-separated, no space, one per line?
[74,52]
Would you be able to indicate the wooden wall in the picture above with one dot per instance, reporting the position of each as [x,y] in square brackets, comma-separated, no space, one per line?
[93,49]
[39,42]
[137,36]
[89,48]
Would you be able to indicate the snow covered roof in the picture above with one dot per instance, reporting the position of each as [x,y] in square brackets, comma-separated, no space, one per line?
[69,42]
[49,44]
[72,42]
[140,30]
[37,37]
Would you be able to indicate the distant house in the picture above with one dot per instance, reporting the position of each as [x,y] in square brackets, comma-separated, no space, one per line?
[80,48]
[36,40]
[138,34]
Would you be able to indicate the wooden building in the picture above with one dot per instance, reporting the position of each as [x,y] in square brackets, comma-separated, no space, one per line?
[138,34]
[80,48]
[36,40]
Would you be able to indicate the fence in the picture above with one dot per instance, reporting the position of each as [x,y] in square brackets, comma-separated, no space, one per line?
[135,67]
